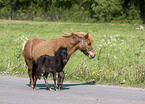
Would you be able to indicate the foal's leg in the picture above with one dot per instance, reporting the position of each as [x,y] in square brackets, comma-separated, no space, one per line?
[45,79]
[35,80]
[60,79]
[54,78]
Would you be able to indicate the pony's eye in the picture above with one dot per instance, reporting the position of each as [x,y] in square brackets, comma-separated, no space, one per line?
[89,43]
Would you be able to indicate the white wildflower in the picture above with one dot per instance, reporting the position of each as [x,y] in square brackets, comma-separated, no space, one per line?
[133,37]
[108,41]
[117,35]
[26,38]
[22,38]
[113,40]
[110,36]
[16,39]
[115,57]
[142,51]
[114,44]
[102,40]
[141,27]
[105,44]
[100,46]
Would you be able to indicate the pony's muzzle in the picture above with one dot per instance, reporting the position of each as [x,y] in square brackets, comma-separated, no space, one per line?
[91,55]
[65,61]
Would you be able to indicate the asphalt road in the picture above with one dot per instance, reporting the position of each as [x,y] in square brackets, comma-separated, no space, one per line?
[17,91]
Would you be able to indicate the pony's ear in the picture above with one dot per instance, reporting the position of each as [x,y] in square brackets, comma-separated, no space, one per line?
[66,34]
[79,34]
[64,48]
[86,36]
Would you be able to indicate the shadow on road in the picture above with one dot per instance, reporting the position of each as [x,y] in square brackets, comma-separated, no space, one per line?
[65,86]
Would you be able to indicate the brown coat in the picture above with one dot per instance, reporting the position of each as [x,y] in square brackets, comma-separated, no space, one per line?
[49,47]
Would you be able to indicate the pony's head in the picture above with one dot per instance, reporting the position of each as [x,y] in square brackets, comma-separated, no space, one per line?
[85,42]
[62,51]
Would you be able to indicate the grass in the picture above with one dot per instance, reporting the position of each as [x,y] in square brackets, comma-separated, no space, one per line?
[120,51]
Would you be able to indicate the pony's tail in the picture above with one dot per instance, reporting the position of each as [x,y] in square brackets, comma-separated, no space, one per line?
[23,47]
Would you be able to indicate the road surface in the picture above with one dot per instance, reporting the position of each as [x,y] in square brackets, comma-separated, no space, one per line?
[17,91]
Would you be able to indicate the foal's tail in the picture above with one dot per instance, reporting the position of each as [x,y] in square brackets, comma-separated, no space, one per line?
[39,70]
[38,73]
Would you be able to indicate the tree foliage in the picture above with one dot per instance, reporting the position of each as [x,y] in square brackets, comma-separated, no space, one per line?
[73,10]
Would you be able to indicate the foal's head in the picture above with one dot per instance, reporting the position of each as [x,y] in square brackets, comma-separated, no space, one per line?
[62,52]
[85,42]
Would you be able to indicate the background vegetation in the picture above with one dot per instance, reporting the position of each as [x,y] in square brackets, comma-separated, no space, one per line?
[120,51]
[130,11]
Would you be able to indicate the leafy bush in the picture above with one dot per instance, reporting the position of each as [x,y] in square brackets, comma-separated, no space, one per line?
[73,10]
[112,10]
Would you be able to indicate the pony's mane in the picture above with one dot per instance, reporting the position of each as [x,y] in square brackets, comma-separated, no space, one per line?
[78,34]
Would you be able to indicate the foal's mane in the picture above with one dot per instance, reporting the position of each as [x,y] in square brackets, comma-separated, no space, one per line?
[79,35]
[59,50]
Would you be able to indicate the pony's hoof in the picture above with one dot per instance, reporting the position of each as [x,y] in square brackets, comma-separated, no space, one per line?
[55,89]
[60,87]
[32,86]
[49,88]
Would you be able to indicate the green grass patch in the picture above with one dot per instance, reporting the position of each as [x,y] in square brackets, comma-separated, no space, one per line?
[120,51]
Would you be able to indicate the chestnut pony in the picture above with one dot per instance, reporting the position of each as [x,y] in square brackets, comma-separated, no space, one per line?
[35,47]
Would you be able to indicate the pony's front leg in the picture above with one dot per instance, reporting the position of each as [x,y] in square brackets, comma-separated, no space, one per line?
[54,78]
[46,82]
[60,79]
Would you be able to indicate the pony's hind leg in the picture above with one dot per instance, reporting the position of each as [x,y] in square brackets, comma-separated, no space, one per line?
[46,82]
[30,72]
